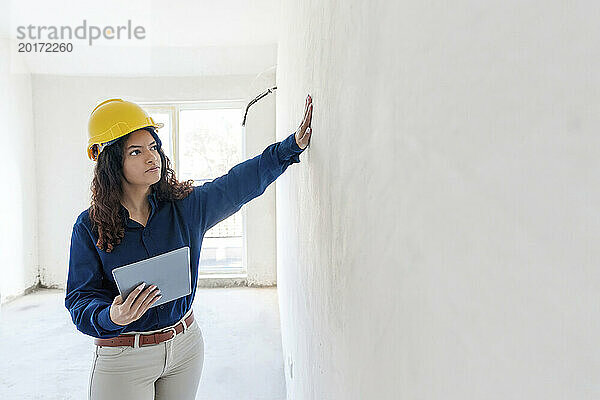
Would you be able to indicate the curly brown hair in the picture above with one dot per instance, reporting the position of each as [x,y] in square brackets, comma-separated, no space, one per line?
[105,211]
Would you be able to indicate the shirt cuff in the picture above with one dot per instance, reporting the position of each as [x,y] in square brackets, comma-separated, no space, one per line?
[289,149]
[105,321]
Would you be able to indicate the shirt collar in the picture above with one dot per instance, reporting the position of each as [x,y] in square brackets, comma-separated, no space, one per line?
[152,199]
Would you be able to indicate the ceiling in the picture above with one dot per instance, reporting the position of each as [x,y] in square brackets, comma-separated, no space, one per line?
[179,38]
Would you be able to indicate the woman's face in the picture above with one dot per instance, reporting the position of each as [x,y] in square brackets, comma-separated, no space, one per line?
[141,154]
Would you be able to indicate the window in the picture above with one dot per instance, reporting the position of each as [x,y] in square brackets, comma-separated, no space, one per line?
[203,141]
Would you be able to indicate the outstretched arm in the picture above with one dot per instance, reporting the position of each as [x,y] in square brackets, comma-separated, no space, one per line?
[225,195]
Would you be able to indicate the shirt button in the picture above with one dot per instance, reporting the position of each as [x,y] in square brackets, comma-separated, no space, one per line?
[161,307]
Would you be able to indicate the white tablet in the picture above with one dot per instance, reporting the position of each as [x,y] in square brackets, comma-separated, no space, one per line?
[170,272]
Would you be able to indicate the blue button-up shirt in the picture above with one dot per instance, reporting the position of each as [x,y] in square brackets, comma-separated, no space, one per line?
[171,225]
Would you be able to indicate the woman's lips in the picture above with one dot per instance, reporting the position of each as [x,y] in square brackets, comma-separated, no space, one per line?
[153,169]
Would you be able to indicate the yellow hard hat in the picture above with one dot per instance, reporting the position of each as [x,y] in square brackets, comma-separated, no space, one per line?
[113,119]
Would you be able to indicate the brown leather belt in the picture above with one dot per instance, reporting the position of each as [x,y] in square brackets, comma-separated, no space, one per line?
[146,339]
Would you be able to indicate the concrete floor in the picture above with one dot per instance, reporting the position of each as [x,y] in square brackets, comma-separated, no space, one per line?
[43,355]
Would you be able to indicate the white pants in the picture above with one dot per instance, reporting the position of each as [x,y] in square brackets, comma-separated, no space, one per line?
[168,370]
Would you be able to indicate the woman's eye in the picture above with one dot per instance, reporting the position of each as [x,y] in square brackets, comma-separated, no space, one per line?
[154,147]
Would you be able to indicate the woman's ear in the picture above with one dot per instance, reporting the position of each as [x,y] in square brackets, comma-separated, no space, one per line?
[95,152]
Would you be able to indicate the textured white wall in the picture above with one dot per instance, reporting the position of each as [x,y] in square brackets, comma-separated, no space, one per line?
[62,106]
[442,238]
[18,214]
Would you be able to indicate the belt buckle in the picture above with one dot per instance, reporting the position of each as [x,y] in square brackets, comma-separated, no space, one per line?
[174,333]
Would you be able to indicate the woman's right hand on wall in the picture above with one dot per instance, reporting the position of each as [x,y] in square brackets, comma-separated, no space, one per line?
[302,135]
[137,303]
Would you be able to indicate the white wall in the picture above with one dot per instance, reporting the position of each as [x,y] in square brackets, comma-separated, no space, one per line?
[442,238]
[18,214]
[62,108]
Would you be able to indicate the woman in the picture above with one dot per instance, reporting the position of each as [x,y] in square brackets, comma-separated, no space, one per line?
[140,210]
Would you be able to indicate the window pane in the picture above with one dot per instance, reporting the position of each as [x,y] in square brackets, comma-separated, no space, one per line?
[220,254]
[210,143]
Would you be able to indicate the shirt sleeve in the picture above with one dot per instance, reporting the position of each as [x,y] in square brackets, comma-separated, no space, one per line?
[87,300]
[225,195]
